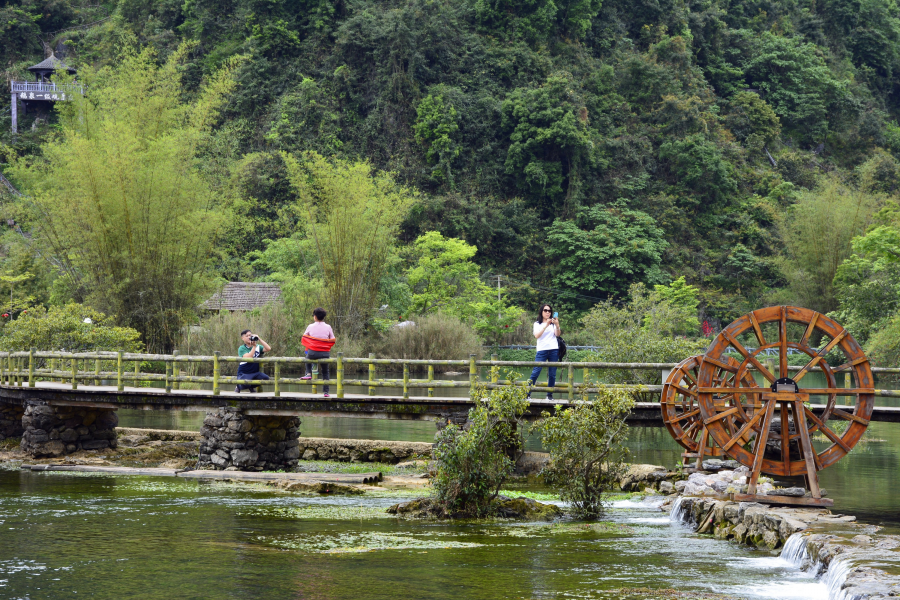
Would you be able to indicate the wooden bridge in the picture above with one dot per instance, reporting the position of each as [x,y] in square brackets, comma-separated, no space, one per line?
[112,380]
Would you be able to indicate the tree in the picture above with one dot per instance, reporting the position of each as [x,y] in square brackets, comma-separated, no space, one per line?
[675,310]
[605,249]
[752,121]
[435,128]
[473,461]
[817,232]
[638,330]
[351,214]
[587,449]
[118,198]
[73,328]
[798,85]
[549,139]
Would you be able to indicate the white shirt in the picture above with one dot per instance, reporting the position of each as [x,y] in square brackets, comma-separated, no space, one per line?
[547,341]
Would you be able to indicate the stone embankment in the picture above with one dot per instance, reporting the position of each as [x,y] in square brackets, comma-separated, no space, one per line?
[854,561]
[363,450]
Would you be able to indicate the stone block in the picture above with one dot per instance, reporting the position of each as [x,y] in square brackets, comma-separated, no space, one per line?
[244,458]
[68,435]
[51,448]
[293,454]
[95,444]
[309,454]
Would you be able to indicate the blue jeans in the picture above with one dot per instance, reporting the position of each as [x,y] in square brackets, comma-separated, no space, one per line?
[257,375]
[546,356]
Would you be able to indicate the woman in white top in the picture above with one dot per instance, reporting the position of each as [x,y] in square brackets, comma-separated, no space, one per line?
[546,328]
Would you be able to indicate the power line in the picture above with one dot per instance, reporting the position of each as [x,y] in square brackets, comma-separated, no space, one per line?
[549,290]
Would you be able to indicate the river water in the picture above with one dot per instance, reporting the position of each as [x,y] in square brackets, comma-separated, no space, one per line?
[75,535]
[67,536]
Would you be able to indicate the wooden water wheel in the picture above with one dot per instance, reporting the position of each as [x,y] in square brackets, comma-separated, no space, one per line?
[681,410]
[776,418]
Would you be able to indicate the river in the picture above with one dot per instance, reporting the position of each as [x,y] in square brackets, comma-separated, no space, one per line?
[76,535]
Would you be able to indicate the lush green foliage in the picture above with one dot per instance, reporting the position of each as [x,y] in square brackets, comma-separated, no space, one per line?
[581,146]
[118,197]
[640,330]
[437,336]
[587,451]
[64,328]
[474,461]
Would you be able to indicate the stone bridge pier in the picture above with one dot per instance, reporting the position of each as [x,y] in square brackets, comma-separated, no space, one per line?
[11,420]
[52,430]
[236,441]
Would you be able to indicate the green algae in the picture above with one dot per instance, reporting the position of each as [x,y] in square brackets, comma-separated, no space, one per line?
[356,542]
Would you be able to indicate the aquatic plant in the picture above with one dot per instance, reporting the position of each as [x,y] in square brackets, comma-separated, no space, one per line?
[587,452]
[474,461]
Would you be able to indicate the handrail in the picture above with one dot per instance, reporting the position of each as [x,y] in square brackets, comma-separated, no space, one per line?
[21,368]
[40,86]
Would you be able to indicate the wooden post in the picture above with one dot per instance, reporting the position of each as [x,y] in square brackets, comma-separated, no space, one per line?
[31,367]
[586,378]
[20,369]
[406,380]
[216,373]
[52,368]
[277,379]
[494,370]
[168,376]
[74,374]
[175,371]
[371,373]
[120,382]
[473,376]
[2,373]
[9,362]
[847,380]
[340,375]
[137,372]
[571,382]
[96,371]
[431,378]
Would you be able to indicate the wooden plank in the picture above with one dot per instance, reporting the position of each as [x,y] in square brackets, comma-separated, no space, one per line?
[743,352]
[761,440]
[782,344]
[785,441]
[807,449]
[849,417]
[804,341]
[793,500]
[743,430]
[722,415]
[757,330]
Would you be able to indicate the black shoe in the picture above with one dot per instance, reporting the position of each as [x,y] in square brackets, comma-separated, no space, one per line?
[237,389]
[549,396]
[254,390]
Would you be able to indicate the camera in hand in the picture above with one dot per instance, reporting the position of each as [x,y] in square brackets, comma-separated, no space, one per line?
[254,338]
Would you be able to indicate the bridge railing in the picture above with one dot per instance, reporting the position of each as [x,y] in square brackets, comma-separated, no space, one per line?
[124,368]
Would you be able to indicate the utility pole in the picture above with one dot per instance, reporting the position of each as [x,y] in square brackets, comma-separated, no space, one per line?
[499,277]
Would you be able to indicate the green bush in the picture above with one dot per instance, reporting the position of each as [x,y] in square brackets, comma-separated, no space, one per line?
[473,461]
[437,337]
[64,328]
[587,452]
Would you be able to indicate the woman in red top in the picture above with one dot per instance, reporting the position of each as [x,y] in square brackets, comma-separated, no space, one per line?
[318,340]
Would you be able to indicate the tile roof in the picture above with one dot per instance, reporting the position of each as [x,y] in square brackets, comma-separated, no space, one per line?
[243,295]
[51,64]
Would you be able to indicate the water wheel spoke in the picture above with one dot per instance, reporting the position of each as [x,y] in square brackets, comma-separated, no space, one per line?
[757,330]
[684,416]
[722,365]
[782,344]
[684,391]
[756,417]
[809,329]
[722,415]
[785,440]
[820,355]
[849,416]
[692,379]
[824,428]
[747,356]
[689,432]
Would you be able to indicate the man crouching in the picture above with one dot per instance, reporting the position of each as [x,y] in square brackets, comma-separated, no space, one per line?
[253,347]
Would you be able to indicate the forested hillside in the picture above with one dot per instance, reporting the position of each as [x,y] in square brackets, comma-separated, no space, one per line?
[581,146]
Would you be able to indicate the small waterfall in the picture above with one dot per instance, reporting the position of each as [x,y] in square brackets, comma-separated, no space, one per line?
[794,550]
[680,512]
[835,577]
[795,553]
